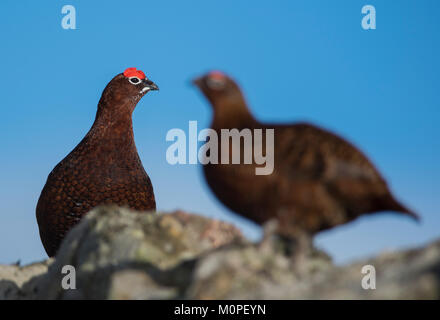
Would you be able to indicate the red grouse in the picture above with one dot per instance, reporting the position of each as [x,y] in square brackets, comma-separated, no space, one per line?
[319,180]
[103,168]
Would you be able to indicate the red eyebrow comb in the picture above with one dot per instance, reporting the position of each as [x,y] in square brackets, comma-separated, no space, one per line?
[133,72]
[217,74]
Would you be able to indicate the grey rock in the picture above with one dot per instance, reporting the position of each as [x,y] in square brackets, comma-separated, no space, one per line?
[20,282]
[245,273]
[114,243]
[122,254]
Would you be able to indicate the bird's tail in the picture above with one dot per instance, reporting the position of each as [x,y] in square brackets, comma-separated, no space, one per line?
[388,203]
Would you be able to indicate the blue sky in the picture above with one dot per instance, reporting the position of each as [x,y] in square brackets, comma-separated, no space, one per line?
[296,60]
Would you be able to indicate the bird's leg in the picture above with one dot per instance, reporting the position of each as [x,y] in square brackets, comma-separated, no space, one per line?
[299,249]
[269,229]
[304,248]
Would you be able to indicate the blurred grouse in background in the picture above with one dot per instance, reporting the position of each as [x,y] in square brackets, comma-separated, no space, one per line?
[103,168]
[319,180]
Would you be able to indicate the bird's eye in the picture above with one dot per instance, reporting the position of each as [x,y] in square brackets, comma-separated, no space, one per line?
[134,80]
[215,83]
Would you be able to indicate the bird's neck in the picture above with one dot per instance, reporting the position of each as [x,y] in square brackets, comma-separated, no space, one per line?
[233,115]
[113,126]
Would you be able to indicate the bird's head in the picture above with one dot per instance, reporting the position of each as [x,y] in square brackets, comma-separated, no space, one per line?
[127,88]
[219,89]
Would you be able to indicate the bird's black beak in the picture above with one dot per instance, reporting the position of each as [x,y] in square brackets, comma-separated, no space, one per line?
[149,85]
[197,82]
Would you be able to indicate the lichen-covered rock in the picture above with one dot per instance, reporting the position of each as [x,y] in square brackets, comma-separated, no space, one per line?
[112,243]
[122,254]
[246,273]
[19,282]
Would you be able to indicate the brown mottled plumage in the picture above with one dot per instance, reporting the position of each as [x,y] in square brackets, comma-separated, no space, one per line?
[319,180]
[103,168]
